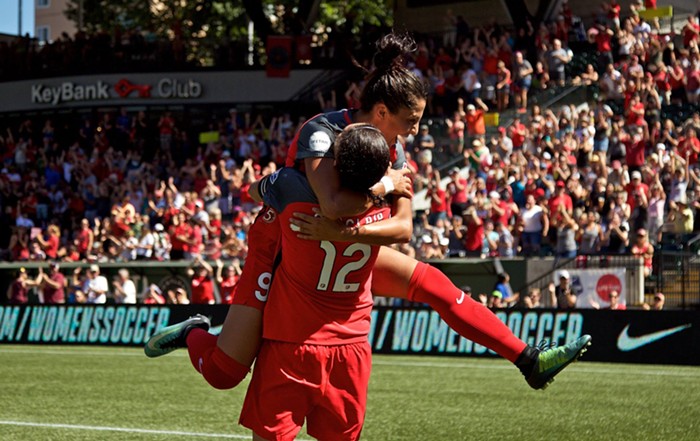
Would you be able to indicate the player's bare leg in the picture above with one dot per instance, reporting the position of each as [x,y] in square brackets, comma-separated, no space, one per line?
[241,334]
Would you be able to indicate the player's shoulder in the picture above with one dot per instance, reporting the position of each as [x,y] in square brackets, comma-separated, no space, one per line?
[325,126]
[285,186]
[287,179]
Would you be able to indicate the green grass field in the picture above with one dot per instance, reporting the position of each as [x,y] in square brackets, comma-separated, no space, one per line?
[94,393]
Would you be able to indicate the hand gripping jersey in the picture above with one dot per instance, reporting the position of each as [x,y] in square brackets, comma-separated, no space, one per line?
[320,292]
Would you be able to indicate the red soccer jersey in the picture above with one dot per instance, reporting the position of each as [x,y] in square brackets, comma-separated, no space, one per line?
[320,292]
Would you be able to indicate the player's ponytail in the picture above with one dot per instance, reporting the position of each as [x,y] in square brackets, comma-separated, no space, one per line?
[391,82]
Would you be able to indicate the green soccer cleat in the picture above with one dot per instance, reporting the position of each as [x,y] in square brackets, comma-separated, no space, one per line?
[172,337]
[551,361]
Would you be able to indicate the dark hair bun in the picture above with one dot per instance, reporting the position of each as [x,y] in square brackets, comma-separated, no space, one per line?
[392,49]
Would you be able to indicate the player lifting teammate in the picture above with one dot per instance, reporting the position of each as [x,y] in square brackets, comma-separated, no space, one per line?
[393,100]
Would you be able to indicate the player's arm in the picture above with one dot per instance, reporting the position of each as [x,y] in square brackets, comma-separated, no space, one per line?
[254,191]
[398,228]
[336,202]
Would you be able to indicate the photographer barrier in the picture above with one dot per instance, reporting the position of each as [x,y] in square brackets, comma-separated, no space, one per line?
[657,337]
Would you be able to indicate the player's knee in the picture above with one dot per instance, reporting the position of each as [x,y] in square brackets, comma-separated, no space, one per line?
[221,371]
[222,381]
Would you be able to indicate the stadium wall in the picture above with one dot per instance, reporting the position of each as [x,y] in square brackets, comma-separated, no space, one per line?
[659,337]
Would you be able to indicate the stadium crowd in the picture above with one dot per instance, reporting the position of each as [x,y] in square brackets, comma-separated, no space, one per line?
[615,175]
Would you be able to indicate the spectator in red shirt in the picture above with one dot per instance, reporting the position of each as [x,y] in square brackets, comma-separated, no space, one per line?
[690,31]
[474,118]
[53,286]
[635,147]
[676,81]
[503,86]
[202,283]
[84,239]
[501,210]
[692,83]
[490,67]
[635,112]
[560,197]
[457,188]
[52,243]
[613,10]
[196,244]
[455,130]
[689,147]
[518,133]
[644,249]
[438,200]
[474,240]
[635,187]
[18,291]
[180,239]
[603,41]
[615,304]
[229,280]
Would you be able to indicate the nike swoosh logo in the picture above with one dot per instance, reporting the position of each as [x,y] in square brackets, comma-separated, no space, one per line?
[626,343]
[461,299]
[150,345]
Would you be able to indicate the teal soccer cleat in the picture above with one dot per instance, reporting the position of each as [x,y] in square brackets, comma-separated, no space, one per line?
[551,361]
[174,336]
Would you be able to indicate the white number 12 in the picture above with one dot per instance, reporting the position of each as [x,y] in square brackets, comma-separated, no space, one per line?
[329,260]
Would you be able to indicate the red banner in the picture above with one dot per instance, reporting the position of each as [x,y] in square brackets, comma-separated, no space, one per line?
[279,56]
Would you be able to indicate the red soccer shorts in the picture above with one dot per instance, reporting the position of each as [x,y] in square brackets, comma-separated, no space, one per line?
[326,385]
[263,245]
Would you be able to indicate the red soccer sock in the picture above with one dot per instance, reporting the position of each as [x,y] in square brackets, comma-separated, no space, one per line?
[468,317]
[220,370]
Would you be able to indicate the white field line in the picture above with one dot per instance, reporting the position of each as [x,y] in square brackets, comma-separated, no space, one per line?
[463,363]
[123,429]
[132,430]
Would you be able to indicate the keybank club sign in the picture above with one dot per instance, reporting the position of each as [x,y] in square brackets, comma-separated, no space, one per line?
[100,90]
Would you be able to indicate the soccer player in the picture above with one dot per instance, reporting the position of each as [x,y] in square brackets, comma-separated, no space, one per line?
[393,100]
[315,359]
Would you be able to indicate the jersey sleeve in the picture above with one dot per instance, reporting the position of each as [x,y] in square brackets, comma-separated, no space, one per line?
[285,186]
[315,141]
[398,159]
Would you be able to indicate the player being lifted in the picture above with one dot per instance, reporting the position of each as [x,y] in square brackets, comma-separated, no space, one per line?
[393,100]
